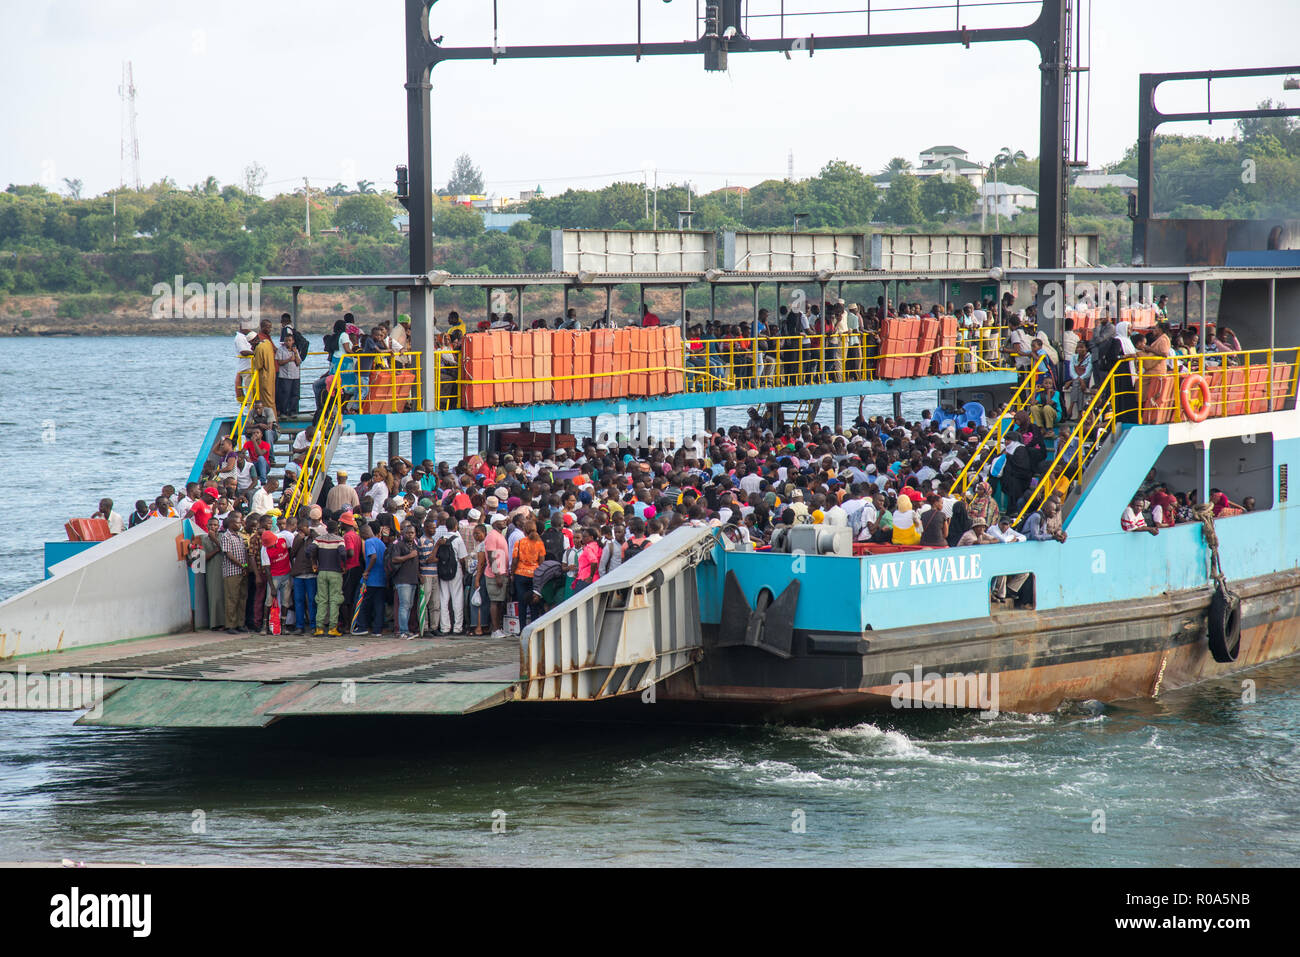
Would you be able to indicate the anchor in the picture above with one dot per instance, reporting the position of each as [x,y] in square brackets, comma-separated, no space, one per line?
[769,625]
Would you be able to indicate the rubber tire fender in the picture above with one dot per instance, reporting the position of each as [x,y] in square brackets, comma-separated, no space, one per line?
[1224,625]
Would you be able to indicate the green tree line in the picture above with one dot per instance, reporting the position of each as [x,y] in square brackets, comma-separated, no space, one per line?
[55,243]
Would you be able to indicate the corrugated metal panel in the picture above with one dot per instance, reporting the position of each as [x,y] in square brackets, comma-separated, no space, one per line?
[631,629]
[159,703]
[373,697]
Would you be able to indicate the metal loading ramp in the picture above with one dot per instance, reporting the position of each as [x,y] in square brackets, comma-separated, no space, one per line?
[631,629]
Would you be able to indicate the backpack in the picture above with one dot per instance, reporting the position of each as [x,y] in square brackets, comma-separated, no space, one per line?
[446,556]
[631,548]
[300,343]
[553,541]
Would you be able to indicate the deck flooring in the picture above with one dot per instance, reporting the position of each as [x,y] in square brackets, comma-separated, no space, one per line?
[214,655]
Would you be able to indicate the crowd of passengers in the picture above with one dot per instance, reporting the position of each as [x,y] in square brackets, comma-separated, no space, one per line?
[421,549]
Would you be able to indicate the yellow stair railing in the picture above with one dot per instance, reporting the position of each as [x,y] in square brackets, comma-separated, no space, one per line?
[990,446]
[1073,455]
[245,407]
[314,461]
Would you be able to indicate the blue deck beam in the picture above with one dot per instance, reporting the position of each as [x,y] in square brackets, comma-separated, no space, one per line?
[509,414]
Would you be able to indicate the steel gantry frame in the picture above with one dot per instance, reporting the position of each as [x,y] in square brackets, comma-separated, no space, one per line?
[1048,32]
[1150,118]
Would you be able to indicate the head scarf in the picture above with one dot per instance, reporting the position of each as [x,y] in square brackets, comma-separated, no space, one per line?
[904,517]
[983,506]
[1125,343]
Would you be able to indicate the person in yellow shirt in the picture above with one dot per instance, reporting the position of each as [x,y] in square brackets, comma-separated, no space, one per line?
[264,366]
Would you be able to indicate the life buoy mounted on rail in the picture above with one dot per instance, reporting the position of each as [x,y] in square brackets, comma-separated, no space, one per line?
[1194,395]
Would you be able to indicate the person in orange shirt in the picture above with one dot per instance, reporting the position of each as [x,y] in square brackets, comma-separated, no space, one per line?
[529,553]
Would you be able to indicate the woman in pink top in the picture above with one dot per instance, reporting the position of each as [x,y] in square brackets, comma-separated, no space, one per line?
[588,560]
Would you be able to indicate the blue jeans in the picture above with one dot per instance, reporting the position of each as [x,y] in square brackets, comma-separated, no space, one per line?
[261,467]
[405,597]
[304,601]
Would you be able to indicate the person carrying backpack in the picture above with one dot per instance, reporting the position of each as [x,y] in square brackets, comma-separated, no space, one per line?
[450,557]
[637,543]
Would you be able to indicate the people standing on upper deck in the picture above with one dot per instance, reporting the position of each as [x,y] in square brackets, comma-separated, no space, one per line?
[400,342]
[243,357]
[648,318]
[288,374]
[264,365]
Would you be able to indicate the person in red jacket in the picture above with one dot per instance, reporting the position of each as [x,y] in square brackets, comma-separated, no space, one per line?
[275,554]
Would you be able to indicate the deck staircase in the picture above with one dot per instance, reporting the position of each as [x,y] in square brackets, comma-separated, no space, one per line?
[803,412]
[991,447]
[320,451]
[1080,457]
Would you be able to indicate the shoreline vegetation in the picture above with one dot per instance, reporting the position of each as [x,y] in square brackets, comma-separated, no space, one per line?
[88,266]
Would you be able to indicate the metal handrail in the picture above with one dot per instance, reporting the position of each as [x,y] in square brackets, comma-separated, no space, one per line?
[1091,418]
[250,396]
[987,450]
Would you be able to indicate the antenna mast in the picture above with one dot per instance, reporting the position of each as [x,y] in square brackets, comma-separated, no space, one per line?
[130,148]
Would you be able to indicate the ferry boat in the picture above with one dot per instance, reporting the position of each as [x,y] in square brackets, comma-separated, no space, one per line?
[706,627]
[698,624]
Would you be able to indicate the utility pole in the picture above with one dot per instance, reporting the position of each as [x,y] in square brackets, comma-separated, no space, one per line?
[657,198]
[306,183]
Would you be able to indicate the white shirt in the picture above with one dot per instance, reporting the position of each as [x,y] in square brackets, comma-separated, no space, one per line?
[835,515]
[245,363]
[1011,534]
[301,441]
[262,502]
[244,476]
[115,523]
[1069,342]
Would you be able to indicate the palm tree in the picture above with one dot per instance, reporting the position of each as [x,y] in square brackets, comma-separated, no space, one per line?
[338,189]
[365,186]
[1003,160]
[74,187]
[898,165]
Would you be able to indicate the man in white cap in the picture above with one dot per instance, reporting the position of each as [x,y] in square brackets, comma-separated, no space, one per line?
[496,571]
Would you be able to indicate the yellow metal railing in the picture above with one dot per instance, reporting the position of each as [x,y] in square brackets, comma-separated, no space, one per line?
[991,445]
[1254,380]
[726,364]
[245,407]
[1073,455]
[314,463]
[1142,389]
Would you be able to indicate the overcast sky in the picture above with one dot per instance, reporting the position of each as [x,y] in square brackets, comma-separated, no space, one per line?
[316,89]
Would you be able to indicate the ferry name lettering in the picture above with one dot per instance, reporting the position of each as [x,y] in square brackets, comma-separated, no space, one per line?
[927,571]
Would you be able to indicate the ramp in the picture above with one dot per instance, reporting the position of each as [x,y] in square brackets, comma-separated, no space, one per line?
[631,629]
[131,585]
[210,679]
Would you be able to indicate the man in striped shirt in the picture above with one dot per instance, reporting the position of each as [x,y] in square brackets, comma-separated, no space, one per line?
[234,564]
[1133,521]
